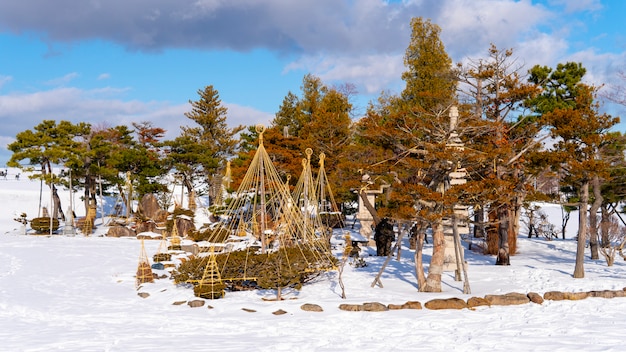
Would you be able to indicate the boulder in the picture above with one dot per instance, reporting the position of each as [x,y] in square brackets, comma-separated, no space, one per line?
[120,231]
[183,226]
[607,293]
[412,305]
[447,303]
[351,307]
[149,206]
[374,307]
[509,299]
[554,296]
[477,302]
[535,297]
[196,303]
[575,296]
[407,305]
[279,312]
[309,307]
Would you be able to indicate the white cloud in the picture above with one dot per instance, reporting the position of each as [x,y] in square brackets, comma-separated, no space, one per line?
[21,112]
[103,76]
[59,81]
[247,116]
[579,5]
[370,73]
[4,80]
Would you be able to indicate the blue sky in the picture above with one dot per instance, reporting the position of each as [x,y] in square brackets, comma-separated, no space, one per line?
[111,62]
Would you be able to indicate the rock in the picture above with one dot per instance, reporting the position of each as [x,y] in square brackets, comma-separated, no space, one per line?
[279,312]
[559,296]
[392,306]
[554,296]
[448,303]
[143,294]
[605,294]
[309,307]
[576,296]
[351,307]
[120,231]
[178,303]
[196,303]
[477,302]
[374,307]
[412,305]
[183,226]
[149,206]
[535,297]
[248,310]
[508,299]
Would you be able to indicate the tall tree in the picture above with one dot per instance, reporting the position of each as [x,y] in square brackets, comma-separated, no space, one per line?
[48,144]
[201,151]
[570,109]
[406,138]
[319,119]
[496,92]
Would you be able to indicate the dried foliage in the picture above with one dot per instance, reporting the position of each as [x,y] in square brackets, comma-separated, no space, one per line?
[243,270]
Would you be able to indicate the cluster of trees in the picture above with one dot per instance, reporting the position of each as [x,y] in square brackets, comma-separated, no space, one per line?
[503,126]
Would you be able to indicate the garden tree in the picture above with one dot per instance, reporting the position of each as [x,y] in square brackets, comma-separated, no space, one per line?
[319,120]
[48,144]
[405,138]
[503,135]
[201,151]
[569,108]
[118,155]
[613,189]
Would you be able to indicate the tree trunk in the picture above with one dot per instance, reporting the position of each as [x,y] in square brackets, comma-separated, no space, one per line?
[435,269]
[564,220]
[479,222]
[503,235]
[604,227]
[579,269]
[419,262]
[593,217]
[58,211]
[491,245]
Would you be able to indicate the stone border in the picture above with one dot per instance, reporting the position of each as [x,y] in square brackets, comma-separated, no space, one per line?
[508,299]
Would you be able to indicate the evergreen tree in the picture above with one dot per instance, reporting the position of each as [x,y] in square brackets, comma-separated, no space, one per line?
[504,136]
[201,151]
[580,132]
[47,145]
[406,140]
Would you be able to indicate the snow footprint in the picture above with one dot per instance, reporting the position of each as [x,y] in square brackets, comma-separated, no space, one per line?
[12,267]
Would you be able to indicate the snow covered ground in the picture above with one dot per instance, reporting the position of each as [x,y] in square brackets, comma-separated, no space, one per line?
[78,293]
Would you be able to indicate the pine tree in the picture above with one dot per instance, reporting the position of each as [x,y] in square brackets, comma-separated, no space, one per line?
[201,151]
[569,108]
[403,141]
[504,135]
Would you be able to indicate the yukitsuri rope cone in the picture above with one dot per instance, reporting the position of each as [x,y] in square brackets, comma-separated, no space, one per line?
[89,220]
[263,214]
[162,255]
[175,238]
[144,271]
[211,285]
